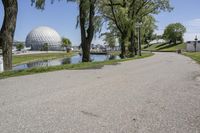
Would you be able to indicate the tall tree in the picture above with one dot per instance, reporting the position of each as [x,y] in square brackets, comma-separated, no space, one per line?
[66,43]
[138,9]
[116,12]
[126,13]
[86,20]
[174,32]
[148,28]
[110,39]
[8,30]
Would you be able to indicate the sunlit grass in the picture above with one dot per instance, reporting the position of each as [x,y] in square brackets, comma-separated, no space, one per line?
[21,59]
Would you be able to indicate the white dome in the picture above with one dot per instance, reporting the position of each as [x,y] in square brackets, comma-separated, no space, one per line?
[43,35]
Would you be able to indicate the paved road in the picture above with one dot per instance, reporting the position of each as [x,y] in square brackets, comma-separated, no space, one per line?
[160,94]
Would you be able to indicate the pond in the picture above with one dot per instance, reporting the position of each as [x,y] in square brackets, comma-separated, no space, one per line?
[56,62]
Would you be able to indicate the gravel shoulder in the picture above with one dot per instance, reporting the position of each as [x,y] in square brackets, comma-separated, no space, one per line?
[159,94]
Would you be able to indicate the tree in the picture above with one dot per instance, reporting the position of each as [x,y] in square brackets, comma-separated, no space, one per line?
[126,13]
[66,42]
[20,46]
[86,22]
[116,13]
[148,28]
[8,30]
[45,47]
[174,32]
[109,39]
[139,9]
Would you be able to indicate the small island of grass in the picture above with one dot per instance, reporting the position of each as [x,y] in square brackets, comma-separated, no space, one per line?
[26,58]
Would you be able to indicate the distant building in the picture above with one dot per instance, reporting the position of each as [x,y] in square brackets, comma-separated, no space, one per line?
[98,48]
[193,46]
[42,37]
[158,41]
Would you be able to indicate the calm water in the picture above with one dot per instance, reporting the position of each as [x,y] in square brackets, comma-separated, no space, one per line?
[56,62]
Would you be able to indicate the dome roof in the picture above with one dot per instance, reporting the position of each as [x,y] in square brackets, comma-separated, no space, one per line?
[43,35]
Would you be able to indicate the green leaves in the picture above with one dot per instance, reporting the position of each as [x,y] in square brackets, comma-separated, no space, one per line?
[20,46]
[109,39]
[174,32]
[66,42]
[39,4]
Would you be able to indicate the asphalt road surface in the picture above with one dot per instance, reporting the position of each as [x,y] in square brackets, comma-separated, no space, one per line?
[159,94]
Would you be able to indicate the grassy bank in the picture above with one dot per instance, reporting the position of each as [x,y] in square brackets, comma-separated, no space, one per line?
[21,59]
[194,55]
[90,65]
[166,47]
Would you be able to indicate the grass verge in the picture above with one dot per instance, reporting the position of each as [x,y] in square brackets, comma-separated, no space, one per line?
[89,65]
[21,59]
[194,55]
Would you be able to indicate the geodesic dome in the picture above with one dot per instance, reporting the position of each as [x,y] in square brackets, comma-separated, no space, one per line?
[41,36]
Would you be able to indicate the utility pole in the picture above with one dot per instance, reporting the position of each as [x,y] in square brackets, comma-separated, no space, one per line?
[139,40]
[195,44]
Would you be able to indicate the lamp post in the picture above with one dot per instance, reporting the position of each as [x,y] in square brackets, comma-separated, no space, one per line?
[138,26]
[195,44]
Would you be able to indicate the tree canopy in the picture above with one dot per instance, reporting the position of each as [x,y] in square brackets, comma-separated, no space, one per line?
[20,46]
[124,14]
[109,39]
[66,42]
[174,32]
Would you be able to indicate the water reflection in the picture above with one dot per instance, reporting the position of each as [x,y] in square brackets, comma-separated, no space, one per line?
[56,62]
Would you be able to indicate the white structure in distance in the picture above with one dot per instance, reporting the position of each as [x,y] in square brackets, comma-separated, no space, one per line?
[193,46]
[158,41]
[39,37]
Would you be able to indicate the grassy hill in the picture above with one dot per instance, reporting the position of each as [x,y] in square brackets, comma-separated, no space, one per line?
[165,47]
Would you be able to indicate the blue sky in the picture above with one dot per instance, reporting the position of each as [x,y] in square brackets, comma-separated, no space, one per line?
[62,17]
[186,12]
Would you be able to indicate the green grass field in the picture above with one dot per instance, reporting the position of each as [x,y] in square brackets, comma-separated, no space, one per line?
[89,65]
[194,55]
[21,59]
[166,47]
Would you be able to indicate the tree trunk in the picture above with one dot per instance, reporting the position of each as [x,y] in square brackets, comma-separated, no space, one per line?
[86,35]
[8,30]
[123,48]
[86,51]
[132,41]
[139,42]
